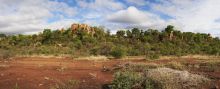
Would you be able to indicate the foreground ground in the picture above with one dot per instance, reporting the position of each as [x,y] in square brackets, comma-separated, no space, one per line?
[44,73]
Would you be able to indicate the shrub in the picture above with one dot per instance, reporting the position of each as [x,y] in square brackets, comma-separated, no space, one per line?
[152,56]
[126,80]
[134,52]
[132,80]
[6,54]
[118,52]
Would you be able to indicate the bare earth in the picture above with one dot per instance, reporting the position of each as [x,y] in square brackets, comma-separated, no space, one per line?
[42,73]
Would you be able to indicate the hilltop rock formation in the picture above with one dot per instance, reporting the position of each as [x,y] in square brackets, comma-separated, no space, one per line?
[84,27]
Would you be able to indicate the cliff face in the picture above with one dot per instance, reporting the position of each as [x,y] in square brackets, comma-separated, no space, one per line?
[84,27]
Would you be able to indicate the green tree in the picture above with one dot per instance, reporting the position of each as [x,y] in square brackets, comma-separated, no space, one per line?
[136,33]
[2,35]
[120,33]
[46,36]
[169,29]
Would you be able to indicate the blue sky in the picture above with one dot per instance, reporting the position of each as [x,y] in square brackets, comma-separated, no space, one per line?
[32,16]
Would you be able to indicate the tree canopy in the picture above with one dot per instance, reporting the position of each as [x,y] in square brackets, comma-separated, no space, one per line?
[131,42]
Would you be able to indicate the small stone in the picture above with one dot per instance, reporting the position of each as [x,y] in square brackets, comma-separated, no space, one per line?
[197,66]
[40,84]
[46,78]
[2,74]
[93,75]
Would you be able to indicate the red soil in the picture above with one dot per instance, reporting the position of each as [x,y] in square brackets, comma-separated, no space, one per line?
[42,73]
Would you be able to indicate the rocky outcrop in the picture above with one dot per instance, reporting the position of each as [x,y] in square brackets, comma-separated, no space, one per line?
[84,27]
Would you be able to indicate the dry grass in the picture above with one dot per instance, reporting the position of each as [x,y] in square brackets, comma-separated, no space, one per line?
[202,57]
[70,84]
[175,65]
[44,56]
[141,67]
[173,79]
[93,58]
[6,54]
[197,57]
[210,66]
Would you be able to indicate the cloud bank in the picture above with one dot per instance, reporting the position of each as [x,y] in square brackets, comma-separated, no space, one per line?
[28,16]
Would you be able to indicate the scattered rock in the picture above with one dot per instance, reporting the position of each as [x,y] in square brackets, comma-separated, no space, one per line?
[5,61]
[105,69]
[4,66]
[40,84]
[121,66]
[197,66]
[46,78]
[2,74]
[40,65]
[93,75]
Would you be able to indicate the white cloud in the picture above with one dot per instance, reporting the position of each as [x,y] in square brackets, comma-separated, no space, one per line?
[137,2]
[192,15]
[29,16]
[133,16]
[26,16]
[95,11]
[101,5]
[65,23]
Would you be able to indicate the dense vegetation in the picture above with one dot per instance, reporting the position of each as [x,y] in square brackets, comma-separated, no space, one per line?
[133,42]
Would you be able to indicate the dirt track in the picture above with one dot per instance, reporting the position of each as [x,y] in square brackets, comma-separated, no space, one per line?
[42,73]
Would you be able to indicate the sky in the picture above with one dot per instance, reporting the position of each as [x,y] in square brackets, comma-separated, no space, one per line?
[32,16]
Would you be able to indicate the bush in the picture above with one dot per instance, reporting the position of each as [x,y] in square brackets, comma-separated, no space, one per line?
[134,52]
[6,54]
[126,80]
[118,52]
[132,80]
[152,56]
